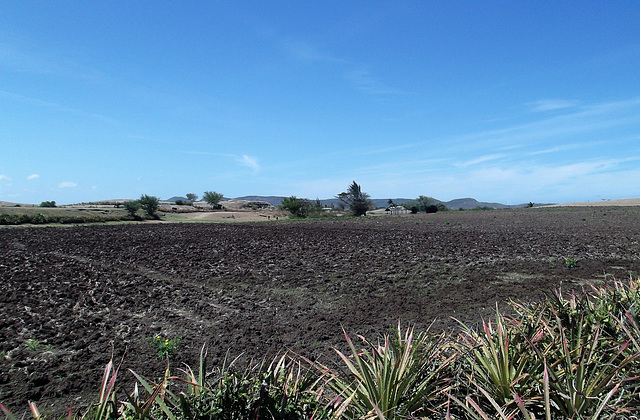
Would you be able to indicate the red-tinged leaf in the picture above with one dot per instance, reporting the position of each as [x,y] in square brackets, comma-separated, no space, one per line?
[34,410]
[7,413]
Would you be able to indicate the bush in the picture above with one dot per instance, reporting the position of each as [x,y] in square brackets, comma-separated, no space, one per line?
[149,204]
[9,219]
[432,208]
[298,207]
[132,207]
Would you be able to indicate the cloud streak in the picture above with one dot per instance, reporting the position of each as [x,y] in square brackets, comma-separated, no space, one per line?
[67,184]
[53,105]
[552,104]
[481,159]
[249,162]
[366,82]
[361,78]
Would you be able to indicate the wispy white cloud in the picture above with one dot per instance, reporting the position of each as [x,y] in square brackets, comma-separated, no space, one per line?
[584,120]
[33,176]
[67,184]
[53,105]
[361,78]
[562,148]
[201,153]
[365,81]
[480,159]
[306,52]
[249,162]
[25,57]
[552,104]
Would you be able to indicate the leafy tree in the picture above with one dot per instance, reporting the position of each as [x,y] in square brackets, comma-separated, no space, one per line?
[149,204]
[192,197]
[132,207]
[48,204]
[298,207]
[425,203]
[212,198]
[431,208]
[357,200]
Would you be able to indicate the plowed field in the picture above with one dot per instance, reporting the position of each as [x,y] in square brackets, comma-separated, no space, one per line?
[69,297]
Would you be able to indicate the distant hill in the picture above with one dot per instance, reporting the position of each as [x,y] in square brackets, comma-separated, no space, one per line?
[471,203]
[269,199]
[174,199]
[459,203]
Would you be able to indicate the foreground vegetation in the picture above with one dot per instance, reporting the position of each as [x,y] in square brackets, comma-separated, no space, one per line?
[573,356]
[41,216]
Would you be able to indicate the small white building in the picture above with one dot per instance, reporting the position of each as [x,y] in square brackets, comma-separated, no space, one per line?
[396,210]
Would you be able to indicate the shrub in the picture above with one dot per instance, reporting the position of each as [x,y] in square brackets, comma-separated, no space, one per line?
[298,207]
[432,208]
[401,377]
[132,207]
[9,219]
[149,204]
[38,219]
[284,389]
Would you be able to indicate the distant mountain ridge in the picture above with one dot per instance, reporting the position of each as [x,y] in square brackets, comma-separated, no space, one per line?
[459,203]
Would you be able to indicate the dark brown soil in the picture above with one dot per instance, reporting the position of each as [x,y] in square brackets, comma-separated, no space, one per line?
[258,289]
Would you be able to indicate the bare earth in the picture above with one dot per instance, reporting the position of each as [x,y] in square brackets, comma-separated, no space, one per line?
[236,216]
[69,297]
[604,203]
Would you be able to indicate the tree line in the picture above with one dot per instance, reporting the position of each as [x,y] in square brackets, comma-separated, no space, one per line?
[357,202]
[150,204]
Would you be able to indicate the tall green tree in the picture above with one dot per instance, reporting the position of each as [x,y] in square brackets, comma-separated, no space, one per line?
[298,207]
[212,198]
[358,201]
[425,203]
[150,204]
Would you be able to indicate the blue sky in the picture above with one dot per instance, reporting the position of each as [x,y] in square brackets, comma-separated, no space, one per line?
[501,101]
